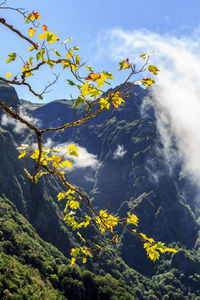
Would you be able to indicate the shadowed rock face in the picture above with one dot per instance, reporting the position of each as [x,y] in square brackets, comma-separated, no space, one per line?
[184,262]
[8,95]
[132,174]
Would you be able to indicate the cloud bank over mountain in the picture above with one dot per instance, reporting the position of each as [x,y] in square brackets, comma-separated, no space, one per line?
[178,96]
[16,125]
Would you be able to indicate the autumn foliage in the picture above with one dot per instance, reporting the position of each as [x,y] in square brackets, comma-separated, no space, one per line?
[43,50]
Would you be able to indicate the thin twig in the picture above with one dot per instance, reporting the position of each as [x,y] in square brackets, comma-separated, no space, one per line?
[2,21]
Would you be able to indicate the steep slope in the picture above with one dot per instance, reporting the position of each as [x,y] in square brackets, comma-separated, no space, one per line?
[36,203]
[131,163]
[124,158]
[33,269]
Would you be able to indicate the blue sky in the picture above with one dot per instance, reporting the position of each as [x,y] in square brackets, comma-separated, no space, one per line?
[91,25]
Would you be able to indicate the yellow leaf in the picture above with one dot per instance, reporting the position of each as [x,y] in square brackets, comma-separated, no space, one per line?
[61,196]
[8,75]
[101,80]
[66,163]
[84,260]
[144,56]
[35,154]
[31,31]
[74,204]
[78,59]
[31,48]
[32,17]
[70,192]
[69,54]
[43,36]
[72,261]
[65,64]
[51,37]
[126,66]
[72,150]
[78,233]
[170,250]
[132,219]
[147,81]
[69,39]
[23,153]
[106,221]
[153,69]
[104,103]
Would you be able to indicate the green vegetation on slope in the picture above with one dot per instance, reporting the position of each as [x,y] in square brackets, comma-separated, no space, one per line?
[33,269]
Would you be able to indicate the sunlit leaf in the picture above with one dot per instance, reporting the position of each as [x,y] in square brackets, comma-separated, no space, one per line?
[31,31]
[153,69]
[84,260]
[69,39]
[56,52]
[89,68]
[11,57]
[8,75]
[23,153]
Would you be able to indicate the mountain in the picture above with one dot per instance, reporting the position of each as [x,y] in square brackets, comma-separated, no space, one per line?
[33,269]
[131,172]
[122,167]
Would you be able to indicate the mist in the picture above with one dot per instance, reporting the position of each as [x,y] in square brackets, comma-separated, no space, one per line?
[177,91]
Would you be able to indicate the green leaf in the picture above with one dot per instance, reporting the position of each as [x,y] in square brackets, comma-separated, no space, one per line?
[31,60]
[70,82]
[56,52]
[121,63]
[89,68]
[108,74]
[78,101]
[144,56]
[156,256]
[40,55]
[11,57]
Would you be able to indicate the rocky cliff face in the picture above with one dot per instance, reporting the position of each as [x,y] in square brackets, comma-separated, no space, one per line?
[128,149]
[9,95]
[123,168]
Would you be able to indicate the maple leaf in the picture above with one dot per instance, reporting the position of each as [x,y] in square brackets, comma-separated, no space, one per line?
[31,31]
[44,27]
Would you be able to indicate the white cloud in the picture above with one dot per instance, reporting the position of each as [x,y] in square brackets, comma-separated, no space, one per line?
[18,127]
[84,159]
[178,99]
[119,152]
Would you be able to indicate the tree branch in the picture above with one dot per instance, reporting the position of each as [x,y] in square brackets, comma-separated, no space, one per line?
[3,21]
